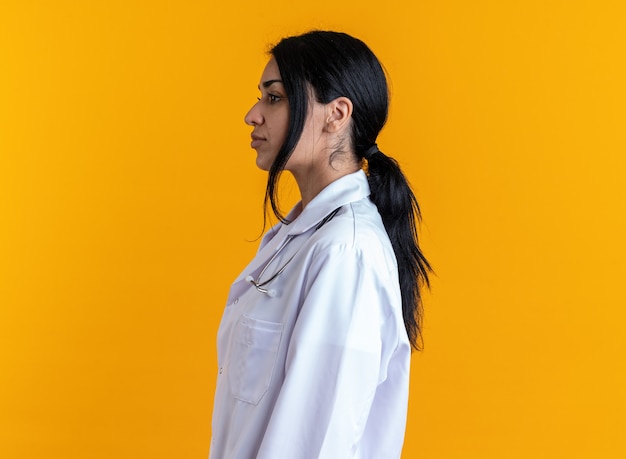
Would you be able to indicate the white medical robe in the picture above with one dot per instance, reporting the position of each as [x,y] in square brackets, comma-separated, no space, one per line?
[320,369]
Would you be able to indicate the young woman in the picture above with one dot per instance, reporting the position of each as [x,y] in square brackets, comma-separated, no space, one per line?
[315,340]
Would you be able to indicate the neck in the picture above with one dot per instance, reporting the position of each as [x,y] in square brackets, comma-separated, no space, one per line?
[311,182]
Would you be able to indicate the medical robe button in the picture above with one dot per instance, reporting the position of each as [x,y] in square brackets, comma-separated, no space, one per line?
[221,369]
[236,301]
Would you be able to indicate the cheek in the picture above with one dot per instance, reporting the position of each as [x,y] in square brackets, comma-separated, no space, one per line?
[280,127]
[279,135]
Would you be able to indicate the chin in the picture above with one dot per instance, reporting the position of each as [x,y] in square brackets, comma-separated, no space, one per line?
[262,164]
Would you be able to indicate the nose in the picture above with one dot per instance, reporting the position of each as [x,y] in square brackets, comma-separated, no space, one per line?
[254,116]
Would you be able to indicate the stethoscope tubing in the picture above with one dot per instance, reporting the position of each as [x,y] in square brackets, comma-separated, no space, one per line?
[260,285]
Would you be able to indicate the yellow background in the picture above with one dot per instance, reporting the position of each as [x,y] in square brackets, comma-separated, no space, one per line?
[129,195]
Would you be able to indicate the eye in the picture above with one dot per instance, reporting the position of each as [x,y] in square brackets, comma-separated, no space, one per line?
[273,98]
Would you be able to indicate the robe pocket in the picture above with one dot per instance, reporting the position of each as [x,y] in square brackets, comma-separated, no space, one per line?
[255,349]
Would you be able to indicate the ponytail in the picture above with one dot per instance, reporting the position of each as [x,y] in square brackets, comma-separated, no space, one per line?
[400,212]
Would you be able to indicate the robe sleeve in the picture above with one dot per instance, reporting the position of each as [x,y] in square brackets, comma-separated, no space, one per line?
[338,355]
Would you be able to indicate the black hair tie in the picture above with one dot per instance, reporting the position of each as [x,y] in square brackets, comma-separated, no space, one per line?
[371,151]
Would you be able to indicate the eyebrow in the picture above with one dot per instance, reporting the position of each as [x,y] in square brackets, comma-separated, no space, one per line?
[268,83]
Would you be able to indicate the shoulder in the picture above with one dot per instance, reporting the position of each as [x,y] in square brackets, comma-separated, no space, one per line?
[352,271]
[355,236]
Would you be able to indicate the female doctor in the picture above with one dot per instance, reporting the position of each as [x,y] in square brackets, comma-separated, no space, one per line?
[315,340]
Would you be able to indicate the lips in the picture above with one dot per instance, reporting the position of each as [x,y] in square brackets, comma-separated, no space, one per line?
[257,140]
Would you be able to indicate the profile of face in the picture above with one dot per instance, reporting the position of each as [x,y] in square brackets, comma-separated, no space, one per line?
[270,119]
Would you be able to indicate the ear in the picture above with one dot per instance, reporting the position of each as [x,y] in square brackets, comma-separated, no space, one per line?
[338,114]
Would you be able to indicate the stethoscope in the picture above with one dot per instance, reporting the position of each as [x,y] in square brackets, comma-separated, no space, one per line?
[261,285]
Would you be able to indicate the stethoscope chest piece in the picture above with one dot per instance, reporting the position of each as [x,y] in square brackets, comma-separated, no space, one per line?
[259,286]
[258,283]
